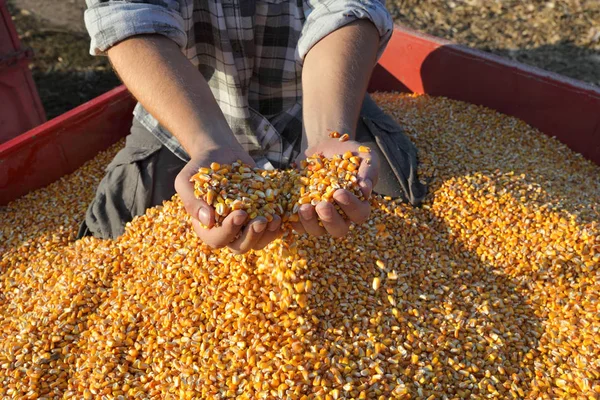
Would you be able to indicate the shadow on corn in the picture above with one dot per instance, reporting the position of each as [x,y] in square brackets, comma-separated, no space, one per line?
[441,322]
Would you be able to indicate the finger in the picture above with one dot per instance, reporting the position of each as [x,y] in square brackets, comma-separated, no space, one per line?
[356,210]
[272,232]
[309,220]
[332,220]
[226,233]
[198,209]
[250,236]
[368,173]
[297,226]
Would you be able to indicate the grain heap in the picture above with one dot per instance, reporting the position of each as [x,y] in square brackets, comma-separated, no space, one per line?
[490,290]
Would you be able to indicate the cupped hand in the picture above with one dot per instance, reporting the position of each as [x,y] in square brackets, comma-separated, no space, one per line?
[356,210]
[235,231]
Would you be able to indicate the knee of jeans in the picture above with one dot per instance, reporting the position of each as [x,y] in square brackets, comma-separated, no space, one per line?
[124,192]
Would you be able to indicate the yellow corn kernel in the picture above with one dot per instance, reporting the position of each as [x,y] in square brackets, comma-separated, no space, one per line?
[221,209]
[376,283]
[355,160]
[210,197]
[304,200]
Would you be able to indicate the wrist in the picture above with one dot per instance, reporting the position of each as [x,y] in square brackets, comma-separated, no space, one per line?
[202,144]
[199,141]
[316,136]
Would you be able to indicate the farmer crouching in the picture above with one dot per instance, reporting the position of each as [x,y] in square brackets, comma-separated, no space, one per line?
[260,81]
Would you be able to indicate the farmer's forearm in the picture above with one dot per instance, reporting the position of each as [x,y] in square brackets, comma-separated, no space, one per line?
[172,90]
[334,80]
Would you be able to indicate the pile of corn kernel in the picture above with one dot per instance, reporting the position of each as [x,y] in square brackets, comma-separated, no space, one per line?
[489,290]
[270,193]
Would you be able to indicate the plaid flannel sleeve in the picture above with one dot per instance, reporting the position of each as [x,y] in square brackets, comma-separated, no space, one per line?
[326,16]
[110,21]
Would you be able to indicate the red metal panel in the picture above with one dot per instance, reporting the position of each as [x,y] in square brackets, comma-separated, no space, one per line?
[9,40]
[20,105]
[556,105]
[60,146]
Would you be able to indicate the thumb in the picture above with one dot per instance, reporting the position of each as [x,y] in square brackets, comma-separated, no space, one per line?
[197,208]
[368,174]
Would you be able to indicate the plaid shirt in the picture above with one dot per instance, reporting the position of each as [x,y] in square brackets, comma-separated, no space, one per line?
[250,53]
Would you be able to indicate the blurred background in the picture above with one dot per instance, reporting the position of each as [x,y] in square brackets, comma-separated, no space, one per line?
[559,36]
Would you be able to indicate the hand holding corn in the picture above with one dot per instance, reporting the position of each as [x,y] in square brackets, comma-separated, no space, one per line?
[321,218]
[320,181]
[238,232]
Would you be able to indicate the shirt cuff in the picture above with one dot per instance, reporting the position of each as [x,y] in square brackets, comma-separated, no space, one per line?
[109,23]
[328,16]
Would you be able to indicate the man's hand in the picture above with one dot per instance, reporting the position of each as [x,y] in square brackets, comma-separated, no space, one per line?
[255,235]
[177,95]
[356,210]
[334,82]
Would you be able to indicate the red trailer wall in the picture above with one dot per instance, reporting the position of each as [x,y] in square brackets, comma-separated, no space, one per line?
[60,146]
[20,105]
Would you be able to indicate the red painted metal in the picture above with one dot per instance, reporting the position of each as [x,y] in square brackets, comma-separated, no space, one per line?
[60,146]
[20,105]
[556,105]
[9,39]
[413,62]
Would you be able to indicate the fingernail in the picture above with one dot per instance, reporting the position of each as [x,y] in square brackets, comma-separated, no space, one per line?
[273,227]
[239,219]
[325,211]
[306,213]
[259,226]
[204,216]
[366,184]
[342,197]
